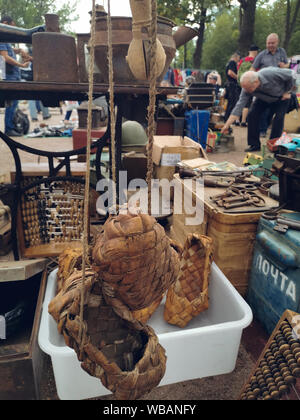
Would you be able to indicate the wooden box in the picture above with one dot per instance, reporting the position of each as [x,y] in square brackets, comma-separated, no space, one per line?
[233,234]
[21,360]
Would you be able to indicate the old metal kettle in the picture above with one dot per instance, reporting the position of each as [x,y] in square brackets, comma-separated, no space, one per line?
[121,39]
[183,35]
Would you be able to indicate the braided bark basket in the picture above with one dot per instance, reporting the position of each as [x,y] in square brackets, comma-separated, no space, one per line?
[68,260]
[143,315]
[188,296]
[123,353]
[135,259]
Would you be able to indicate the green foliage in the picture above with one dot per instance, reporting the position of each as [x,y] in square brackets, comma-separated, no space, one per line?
[189,12]
[221,42]
[221,36]
[195,13]
[30,13]
[263,26]
[294,44]
[177,11]
[179,59]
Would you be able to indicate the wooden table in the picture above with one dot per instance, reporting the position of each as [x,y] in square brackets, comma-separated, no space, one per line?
[42,169]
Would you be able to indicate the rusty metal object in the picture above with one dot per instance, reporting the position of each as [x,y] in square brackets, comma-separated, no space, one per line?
[183,35]
[100,10]
[121,38]
[55,58]
[52,22]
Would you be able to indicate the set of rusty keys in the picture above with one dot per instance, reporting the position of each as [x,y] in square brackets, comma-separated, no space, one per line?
[239,196]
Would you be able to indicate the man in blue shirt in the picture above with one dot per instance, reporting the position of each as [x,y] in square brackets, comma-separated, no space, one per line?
[12,74]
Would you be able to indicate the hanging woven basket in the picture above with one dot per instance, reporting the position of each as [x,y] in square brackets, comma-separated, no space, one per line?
[188,296]
[69,260]
[135,259]
[125,355]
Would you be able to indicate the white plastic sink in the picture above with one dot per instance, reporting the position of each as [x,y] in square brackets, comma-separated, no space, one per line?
[208,346]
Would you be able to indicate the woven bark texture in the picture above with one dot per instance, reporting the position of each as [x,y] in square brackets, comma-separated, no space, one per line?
[135,259]
[143,315]
[123,353]
[68,260]
[188,296]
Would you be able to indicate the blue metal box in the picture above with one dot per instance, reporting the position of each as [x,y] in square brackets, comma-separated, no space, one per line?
[274,284]
[196,123]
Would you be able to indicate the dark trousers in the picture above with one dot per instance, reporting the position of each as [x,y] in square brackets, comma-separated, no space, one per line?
[265,121]
[232,95]
[278,109]
[9,116]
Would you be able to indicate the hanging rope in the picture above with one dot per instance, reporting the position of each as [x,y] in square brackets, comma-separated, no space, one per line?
[111,102]
[152,101]
[82,334]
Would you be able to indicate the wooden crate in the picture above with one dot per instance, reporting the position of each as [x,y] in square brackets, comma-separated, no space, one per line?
[21,360]
[233,235]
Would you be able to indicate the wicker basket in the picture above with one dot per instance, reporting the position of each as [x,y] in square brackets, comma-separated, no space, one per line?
[69,260]
[124,355]
[188,296]
[135,259]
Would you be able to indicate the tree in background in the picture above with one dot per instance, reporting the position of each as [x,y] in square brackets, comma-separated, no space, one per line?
[292,13]
[246,24]
[221,41]
[283,17]
[195,13]
[30,13]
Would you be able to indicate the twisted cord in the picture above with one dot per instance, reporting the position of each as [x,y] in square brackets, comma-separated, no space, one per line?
[152,100]
[111,101]
[82,331]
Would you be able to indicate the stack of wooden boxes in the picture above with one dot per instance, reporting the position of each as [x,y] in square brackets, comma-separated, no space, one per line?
[233,234]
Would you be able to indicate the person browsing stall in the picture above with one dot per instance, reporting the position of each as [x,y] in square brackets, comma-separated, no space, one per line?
[12,67]
[271,87]
[244,65]
[232,87]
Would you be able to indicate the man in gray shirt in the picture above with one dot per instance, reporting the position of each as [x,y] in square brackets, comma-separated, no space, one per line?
[272,56]
[270,87]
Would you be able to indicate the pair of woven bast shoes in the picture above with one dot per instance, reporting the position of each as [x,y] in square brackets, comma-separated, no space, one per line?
[133,264]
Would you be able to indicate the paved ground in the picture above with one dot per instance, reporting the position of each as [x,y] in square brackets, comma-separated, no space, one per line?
[223,387]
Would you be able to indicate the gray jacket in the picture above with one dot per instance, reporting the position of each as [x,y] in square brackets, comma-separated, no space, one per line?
[266,59]
[274,82]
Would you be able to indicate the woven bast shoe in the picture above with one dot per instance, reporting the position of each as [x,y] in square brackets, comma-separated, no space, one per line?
[123,353]
[135,259]
[143,315]
[188,296]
